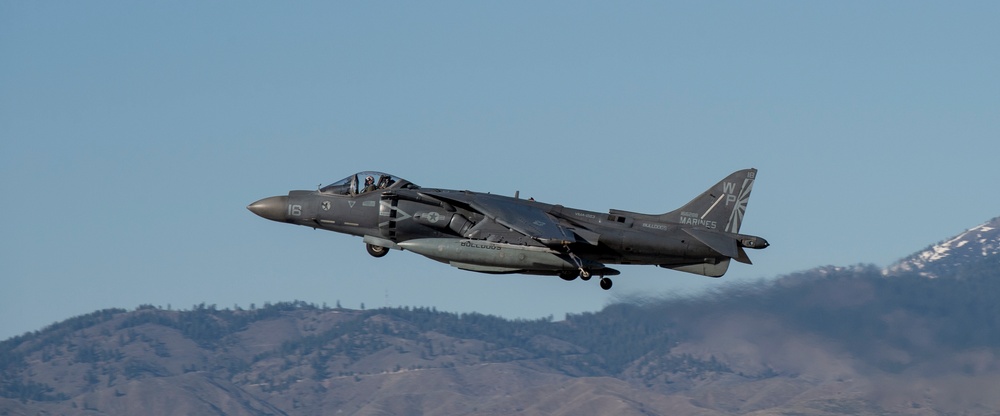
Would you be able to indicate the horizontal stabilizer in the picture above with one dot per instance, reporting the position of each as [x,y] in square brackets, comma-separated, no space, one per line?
[723,244]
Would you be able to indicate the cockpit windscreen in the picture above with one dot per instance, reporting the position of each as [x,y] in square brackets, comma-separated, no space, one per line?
[364,182]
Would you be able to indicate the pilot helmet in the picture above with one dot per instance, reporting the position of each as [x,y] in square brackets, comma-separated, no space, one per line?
[369,180]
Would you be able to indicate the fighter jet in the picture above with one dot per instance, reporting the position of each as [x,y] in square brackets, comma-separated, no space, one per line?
[490,233]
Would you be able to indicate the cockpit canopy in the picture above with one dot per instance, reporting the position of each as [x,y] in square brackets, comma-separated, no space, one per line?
[367,181]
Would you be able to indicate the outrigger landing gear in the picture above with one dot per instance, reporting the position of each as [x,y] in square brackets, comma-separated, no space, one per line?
[605,283]
[376,251]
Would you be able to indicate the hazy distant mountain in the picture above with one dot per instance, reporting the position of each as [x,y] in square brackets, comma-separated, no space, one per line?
[970,251]
[826,341]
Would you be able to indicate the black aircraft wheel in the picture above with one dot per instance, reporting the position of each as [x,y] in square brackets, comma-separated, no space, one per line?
[376,251]
[585,275]
[605,283]
[569,277]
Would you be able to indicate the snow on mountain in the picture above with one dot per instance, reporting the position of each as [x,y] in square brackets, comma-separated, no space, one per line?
[980,243]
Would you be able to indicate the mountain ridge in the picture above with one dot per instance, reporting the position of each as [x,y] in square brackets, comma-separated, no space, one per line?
[979,244]
[833,340]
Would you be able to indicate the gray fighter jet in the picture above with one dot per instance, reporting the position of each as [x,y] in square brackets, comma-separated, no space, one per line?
[491,233]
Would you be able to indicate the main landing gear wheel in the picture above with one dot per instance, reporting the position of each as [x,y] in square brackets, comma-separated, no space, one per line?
[376,251]
[605,283]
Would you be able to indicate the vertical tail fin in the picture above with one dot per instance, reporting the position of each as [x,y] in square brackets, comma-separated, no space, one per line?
[720,207]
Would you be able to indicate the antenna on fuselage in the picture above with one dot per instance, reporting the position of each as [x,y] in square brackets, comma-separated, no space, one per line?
[517,194]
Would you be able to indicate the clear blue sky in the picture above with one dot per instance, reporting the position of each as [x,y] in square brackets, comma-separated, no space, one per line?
[134,134]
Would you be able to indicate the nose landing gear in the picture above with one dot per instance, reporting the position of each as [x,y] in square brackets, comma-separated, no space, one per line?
[376,251]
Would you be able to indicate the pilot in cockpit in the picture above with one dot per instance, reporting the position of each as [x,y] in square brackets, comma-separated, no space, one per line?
[385,181]
[369,184]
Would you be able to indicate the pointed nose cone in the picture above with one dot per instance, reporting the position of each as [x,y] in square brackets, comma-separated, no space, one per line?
[272,208]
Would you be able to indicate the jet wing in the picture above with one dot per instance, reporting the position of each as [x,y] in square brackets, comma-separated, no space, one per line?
[523,218]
